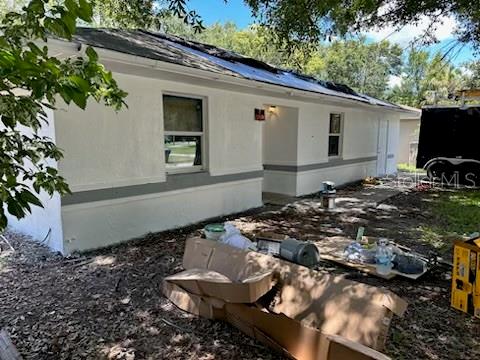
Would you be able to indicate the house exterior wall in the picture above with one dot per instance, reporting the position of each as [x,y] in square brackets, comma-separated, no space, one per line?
[43,224]
[115,164]
[409,132]
[358,158]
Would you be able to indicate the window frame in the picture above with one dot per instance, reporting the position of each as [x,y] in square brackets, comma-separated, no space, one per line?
[202,134]
[339,135]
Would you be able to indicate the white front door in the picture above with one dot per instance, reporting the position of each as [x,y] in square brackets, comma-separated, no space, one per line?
[382,146]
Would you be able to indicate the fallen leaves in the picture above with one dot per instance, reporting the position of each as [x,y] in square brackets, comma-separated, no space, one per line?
[108,304]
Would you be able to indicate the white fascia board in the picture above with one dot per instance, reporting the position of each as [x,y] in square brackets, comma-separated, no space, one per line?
[72,48]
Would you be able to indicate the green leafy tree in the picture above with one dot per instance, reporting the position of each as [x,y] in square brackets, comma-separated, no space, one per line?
[144,13]
[311,21]
[426,80]
[31,81]
[471,77]
[411,90]
[255,42]
[442,80]
[366,67]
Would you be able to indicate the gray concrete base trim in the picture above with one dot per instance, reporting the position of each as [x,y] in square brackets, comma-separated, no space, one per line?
[324,165]
[174,182]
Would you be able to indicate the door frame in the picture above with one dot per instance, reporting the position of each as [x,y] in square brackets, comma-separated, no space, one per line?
[382,156]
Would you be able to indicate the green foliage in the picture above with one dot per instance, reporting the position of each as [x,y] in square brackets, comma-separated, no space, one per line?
[31,82]
[472,76]
[291,34]
[457,213]
[144,13]
[255,42]
[298,21]
[410,168]
[366,67]
[427,80]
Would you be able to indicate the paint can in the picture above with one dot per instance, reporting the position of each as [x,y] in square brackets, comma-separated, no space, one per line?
[329,194]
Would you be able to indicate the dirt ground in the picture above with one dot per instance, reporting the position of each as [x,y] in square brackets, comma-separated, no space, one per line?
[108,304]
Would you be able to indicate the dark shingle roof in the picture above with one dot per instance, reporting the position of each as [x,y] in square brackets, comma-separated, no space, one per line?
[173,49]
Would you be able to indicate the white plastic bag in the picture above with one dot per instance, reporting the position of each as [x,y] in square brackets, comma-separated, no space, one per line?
[233,237]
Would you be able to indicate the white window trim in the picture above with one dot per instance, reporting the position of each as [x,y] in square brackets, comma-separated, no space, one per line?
[340,136]
[202,134]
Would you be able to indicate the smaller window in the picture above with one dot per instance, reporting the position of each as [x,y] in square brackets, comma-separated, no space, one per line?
[335,135]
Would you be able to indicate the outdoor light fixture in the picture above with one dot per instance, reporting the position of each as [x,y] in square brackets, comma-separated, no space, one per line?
[272,109]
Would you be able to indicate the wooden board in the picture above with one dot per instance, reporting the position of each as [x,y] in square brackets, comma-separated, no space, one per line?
[332,249]
[7,349]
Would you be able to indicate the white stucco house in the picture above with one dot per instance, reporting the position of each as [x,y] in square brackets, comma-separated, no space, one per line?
[191,145]
[408,136]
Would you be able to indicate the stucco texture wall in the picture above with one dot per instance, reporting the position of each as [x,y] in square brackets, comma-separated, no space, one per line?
[105,150]
[409,132]
[312,165]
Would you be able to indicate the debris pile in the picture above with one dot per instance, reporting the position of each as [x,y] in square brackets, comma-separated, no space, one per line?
[299,312]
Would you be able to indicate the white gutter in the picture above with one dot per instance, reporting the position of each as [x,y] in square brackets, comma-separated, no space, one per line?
[135,60]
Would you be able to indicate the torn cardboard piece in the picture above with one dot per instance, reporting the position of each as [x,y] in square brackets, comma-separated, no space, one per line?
[205,282]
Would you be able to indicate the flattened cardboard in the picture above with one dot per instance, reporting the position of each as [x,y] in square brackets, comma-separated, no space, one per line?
[206,282]
[296,340]
[285,335]
[329,303]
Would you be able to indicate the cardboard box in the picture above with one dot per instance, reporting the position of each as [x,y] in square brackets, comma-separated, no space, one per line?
[307,315]
[466,276]
[277,331]
[210,283]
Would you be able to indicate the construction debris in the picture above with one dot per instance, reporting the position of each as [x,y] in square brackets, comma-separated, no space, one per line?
[338,250]
[299,312]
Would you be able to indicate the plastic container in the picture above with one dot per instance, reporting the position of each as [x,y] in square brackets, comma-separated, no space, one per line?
[383,257]
[214,231]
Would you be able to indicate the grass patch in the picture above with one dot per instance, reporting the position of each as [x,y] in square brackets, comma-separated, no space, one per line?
[459,211]
[455,213]
[409,168]
[185,150]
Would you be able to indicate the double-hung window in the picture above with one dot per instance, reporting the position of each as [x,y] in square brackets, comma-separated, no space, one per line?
[335,135]
[184,133]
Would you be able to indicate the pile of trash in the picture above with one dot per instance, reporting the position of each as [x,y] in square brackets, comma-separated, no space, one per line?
[300,252]
[385,256]
[301,313]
